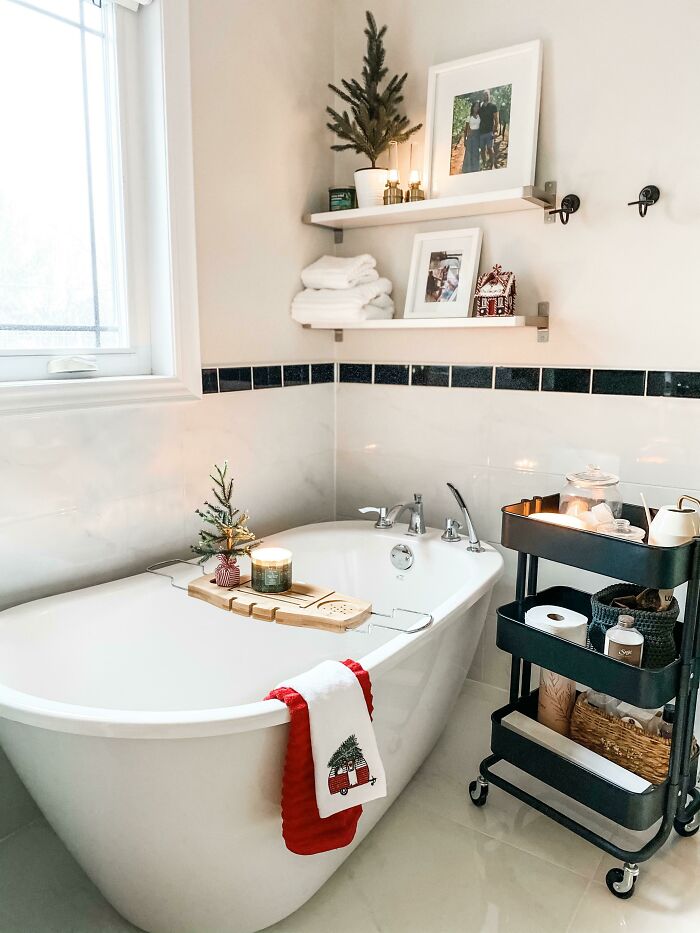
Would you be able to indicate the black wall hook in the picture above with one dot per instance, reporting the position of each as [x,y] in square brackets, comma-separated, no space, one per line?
[570,203]
[649,195]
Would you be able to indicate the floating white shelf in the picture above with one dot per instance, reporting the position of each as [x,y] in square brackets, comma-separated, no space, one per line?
[540,321]
[493,202]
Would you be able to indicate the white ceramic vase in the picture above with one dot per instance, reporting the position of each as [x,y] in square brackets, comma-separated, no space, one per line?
[370,184]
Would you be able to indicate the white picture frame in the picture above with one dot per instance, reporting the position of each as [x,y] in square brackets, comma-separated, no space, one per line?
[444,268]
[514,76]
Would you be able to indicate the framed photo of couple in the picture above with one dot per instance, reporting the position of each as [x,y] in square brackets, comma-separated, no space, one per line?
[443,273]
[481,126]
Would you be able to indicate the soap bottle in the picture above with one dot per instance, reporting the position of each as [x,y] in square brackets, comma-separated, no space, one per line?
[625,642]
[667,719]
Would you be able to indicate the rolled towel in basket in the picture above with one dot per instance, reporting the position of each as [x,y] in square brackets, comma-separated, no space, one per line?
[340,272]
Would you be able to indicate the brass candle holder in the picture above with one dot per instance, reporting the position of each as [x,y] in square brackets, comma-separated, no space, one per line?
[414,192]
[392,193]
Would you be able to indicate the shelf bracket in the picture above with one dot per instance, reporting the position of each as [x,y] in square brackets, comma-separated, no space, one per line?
[337,236]
[338,335]
[550,189]
[543,326]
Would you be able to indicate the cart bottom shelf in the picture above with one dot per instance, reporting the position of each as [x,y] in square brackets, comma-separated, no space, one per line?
[637,811]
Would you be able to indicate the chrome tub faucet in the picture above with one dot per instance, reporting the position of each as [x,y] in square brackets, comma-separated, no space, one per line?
[474,544]
[386,519]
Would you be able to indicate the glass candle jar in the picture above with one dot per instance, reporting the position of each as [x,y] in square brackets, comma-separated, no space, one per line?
[271,569]
[590,487]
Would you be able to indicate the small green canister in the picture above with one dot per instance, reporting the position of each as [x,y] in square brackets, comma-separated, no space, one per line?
[342,199]
[271,570]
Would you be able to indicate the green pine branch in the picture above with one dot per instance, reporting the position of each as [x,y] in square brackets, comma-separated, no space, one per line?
[372,120]
[231,535]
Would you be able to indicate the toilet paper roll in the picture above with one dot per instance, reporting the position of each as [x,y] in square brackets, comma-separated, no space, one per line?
[556,620]
[557,693]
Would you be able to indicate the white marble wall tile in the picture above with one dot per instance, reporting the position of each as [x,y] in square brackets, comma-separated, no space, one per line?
[91,495]
[501,446]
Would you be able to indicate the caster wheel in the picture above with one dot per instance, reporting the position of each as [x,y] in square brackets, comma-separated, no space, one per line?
[686,830]
[614,879]
[478,793]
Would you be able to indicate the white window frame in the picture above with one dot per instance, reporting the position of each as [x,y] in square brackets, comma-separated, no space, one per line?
[175,354]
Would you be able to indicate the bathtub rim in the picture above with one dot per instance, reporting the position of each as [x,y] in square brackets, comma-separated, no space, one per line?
[54,715]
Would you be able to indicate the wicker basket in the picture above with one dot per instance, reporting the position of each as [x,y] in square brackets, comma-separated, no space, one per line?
[621,742]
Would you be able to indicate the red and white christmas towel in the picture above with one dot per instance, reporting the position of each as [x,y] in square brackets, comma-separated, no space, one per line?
[333,764]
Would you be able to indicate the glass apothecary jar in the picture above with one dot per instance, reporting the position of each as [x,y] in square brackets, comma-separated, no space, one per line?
[589,488]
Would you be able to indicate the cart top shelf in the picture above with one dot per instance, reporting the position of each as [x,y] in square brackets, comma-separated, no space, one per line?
[631,561]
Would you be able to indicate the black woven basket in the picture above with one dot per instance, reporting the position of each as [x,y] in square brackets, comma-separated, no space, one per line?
[656,627]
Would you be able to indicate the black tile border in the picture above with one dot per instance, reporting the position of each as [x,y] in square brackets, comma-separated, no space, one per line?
[618,382]
[322,372]
[519,378]
[472,377]
[210,381]
[355,372]
[673,383]
[566,380]
[391,374]
[428,375]
[267,377]
[657,383]
[235,378]
[296,374]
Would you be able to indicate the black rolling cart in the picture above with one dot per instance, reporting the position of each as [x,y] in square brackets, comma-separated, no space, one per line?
[675,802]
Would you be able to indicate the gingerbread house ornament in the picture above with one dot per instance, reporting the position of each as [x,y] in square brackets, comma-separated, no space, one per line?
[495,294]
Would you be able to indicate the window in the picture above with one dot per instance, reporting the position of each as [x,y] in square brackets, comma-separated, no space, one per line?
[88,203]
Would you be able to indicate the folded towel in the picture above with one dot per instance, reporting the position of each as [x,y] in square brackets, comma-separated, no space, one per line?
[356,297]
[381,308]
[335,272]
[304,832]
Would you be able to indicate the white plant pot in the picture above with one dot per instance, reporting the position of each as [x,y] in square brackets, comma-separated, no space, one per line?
[370,184]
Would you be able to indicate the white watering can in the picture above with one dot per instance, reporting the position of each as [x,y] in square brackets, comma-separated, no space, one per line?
[674,525]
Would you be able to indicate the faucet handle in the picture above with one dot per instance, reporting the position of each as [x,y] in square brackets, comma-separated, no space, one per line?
[451,532]
[382,521]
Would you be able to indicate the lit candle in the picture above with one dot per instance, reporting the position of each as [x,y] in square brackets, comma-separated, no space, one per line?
[393,176]
[271,569]
[414,177]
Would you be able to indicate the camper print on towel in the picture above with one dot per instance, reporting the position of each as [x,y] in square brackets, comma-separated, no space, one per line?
[348,768]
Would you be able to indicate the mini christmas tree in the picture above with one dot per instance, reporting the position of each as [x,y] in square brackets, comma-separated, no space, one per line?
[230,536]
[349,751]
[376,121]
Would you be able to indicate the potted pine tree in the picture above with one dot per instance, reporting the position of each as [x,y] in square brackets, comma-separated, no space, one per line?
[374,120]
[230,536]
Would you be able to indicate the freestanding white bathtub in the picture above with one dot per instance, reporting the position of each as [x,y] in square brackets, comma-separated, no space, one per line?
[133,714]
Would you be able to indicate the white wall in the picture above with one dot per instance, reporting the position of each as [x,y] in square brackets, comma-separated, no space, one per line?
[614,81]
[611,85]
[262,156]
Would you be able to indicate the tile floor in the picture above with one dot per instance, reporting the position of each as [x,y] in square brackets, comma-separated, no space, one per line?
[435,864]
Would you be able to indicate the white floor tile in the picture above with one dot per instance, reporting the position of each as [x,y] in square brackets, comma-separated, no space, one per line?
[434,864]
[43,890]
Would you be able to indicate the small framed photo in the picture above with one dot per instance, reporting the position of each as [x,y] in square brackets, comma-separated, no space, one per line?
[443,273]
[482,119]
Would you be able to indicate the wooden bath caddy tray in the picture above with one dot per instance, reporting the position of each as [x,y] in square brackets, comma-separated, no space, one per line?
[303,605]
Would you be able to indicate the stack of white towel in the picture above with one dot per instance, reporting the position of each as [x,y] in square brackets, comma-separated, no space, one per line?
[339,291]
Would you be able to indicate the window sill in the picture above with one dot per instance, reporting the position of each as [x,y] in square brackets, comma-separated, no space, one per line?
[63,395]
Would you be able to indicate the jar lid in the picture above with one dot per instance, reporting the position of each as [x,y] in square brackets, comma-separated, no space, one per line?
[592,476]
[625,621]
